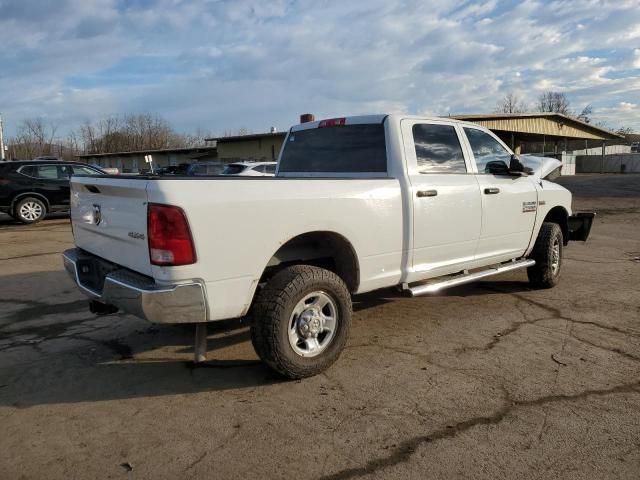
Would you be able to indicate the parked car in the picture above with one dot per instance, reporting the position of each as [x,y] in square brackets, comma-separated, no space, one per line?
[205,169]
[251,169]
[30,189]
[181,169]
[361,203]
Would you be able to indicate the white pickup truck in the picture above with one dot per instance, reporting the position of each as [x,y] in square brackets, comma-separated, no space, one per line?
[357,204]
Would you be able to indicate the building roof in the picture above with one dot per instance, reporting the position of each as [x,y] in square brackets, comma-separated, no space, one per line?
[538,123]
[250,136]
[151,152]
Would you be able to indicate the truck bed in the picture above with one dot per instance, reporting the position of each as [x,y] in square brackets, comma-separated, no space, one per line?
[249,217]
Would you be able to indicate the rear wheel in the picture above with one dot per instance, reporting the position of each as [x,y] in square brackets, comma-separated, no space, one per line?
[30,210]
[301,321]
[547,252]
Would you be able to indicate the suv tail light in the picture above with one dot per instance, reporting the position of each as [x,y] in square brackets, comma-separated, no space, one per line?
[170,242]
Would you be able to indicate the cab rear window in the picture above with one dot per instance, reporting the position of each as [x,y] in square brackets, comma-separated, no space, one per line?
[337,149]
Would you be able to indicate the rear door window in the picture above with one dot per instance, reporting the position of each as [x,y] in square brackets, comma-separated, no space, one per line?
[347,149]
[438,149]
[48,172]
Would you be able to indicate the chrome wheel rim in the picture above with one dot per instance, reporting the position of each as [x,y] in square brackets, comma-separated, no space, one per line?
[555,257]
[31,211]
[313,323]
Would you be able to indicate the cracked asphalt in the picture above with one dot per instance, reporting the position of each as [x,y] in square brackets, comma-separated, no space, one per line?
[490,380]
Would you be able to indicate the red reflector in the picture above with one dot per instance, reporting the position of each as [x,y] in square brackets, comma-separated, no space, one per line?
[170,242]
[332,122]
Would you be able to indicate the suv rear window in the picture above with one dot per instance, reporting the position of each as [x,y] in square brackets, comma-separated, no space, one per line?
[341,149]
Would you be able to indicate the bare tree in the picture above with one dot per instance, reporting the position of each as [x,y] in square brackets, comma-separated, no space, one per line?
[197,139]
[556,102]
[624,131]
[131,132]
[34,138]
[126,133]
[510,103]
[585,114]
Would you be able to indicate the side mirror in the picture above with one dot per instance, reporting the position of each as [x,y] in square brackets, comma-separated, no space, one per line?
[516,167]
[497,168]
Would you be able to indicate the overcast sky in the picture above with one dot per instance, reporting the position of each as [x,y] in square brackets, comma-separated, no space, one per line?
[223,65]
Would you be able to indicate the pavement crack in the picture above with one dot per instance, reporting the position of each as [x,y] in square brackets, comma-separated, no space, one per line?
[196,461]
[405,450]
[615,350]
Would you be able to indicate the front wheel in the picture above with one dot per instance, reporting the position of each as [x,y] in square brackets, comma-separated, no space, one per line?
[301,320]
[547,252]
[30,210]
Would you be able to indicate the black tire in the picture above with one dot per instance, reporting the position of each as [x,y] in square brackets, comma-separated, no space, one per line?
[30,210]
[546,272]
[273,317]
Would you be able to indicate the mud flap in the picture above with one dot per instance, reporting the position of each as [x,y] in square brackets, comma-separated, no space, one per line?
[580,226]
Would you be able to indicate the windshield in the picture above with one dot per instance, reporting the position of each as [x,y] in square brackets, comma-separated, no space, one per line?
[233,169]
[340,149]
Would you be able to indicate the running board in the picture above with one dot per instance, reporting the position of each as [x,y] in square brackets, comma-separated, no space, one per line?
[463,278]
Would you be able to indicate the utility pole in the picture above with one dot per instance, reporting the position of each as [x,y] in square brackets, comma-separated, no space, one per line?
[1,141]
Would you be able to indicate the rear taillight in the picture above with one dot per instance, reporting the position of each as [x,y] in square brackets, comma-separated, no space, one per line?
[170,242]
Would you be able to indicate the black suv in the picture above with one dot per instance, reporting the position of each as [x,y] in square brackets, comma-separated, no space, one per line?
[30,189]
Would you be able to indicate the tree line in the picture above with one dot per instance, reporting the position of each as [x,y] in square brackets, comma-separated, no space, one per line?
[126,133]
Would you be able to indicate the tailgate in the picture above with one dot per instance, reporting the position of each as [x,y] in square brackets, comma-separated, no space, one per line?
[109,217]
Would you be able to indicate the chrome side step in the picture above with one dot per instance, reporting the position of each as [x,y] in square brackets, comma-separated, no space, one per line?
[453,281]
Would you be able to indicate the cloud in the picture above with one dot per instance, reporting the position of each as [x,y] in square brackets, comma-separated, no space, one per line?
[221,65]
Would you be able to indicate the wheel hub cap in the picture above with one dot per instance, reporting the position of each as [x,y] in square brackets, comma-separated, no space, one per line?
[313,323]
[309,323]
[555,257]
[31,211]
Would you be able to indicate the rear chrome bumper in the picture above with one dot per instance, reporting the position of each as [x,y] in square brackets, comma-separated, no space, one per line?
[135,293]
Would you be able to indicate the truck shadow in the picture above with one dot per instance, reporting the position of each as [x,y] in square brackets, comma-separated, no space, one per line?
[52,351]
[133,379]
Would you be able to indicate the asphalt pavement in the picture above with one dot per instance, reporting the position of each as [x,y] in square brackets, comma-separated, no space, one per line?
[485,381]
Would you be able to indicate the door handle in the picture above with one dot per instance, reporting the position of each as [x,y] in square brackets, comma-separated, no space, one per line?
[426,193]
[491,191]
